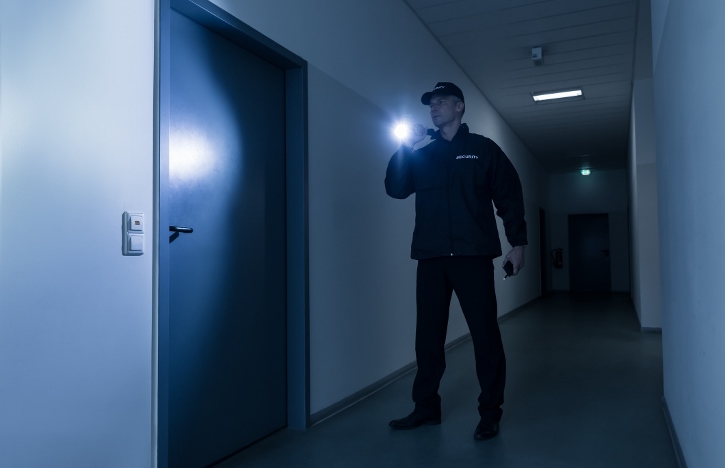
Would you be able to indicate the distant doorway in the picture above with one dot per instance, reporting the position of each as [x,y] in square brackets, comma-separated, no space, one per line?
[589,260]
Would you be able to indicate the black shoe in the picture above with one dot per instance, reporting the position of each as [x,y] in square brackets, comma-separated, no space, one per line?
[485,431]
[414,420]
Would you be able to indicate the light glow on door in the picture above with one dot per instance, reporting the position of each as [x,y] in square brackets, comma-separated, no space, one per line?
[191,154]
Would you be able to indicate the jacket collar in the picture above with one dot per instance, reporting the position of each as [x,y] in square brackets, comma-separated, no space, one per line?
[461,133]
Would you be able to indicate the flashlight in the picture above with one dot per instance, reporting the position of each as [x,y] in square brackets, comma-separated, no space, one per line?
[509,269]
[403,130]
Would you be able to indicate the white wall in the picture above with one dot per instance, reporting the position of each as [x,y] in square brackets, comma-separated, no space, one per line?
[76,118]
[644,211]
[369,63]
[634,265]
[690,110]
[644,220]
[602,192]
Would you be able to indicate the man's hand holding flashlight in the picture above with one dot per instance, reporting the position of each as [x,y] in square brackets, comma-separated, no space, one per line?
[417,134]
[411,135]
[516,257]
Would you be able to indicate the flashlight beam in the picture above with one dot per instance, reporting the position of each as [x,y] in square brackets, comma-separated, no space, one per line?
[402,131]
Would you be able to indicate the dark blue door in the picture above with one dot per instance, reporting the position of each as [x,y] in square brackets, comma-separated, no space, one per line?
[589,268]
[227,314]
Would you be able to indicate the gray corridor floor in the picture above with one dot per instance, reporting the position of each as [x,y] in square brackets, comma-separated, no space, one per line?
[584,389]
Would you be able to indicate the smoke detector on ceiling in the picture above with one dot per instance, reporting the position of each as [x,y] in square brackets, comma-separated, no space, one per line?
[537,56]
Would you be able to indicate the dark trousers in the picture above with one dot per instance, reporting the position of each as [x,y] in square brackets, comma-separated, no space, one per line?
[472,280]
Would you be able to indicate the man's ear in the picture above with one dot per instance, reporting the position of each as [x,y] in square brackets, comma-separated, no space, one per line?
[460,105]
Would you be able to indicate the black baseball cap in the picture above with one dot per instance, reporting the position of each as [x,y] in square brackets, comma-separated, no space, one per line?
[443,88]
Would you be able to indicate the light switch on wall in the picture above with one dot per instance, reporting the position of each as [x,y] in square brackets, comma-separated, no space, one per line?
[132,234]
[136,223]
[135,243]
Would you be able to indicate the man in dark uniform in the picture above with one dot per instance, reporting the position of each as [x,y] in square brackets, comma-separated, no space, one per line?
[455,179]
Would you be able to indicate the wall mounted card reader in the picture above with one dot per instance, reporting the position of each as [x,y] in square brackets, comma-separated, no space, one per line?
[133,233]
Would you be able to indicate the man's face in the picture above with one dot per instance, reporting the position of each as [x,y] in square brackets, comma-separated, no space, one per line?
[443,109]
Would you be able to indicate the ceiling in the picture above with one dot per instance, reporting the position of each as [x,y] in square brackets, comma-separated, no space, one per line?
[586,43]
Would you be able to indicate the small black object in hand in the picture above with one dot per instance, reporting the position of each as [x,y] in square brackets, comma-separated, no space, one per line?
[509,269]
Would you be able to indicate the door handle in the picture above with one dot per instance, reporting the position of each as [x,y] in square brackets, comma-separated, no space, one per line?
[181,229]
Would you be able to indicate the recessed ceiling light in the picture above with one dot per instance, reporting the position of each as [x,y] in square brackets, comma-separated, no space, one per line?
[565,93]
[585,172]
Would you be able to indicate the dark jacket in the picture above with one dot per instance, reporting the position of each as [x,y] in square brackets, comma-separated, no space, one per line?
[454,184]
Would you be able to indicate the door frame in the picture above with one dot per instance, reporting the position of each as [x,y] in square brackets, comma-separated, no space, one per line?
[223,23]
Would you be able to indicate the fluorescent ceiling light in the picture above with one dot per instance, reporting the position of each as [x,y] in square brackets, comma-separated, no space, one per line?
[557,94]
[585,171]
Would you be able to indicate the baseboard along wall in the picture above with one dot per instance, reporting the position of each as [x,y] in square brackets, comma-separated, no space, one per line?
[673,435]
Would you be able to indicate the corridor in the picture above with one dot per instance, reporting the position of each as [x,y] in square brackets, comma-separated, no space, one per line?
[584,389]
